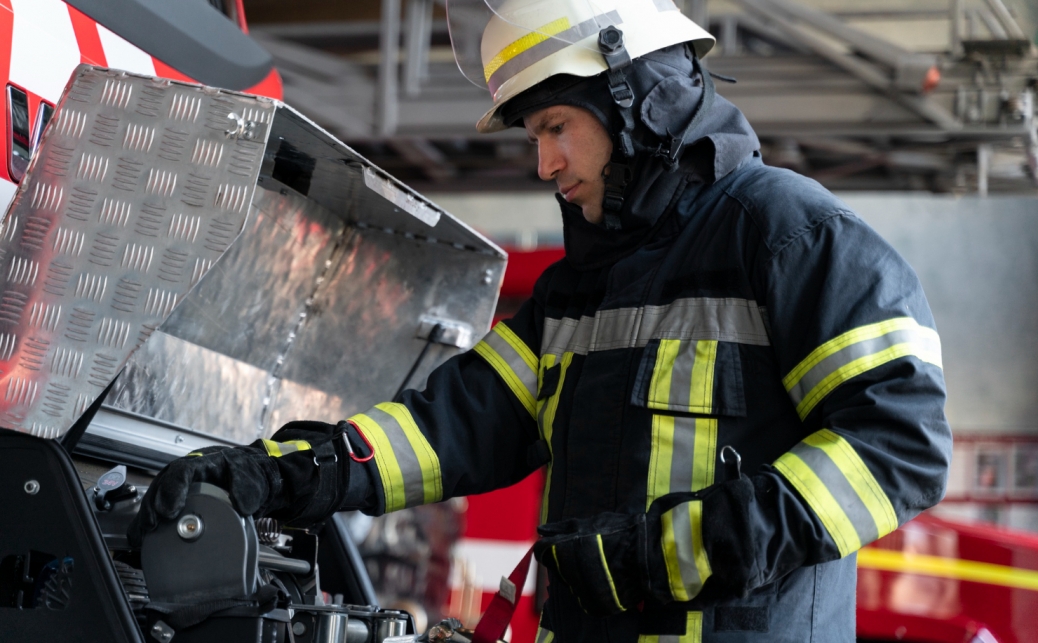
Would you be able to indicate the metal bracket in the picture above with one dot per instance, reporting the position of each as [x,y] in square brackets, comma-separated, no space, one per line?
[240,128]
[406,201]
[450,333]
[161,632]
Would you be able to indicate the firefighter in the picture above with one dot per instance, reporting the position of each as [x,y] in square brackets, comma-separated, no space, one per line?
[734,382]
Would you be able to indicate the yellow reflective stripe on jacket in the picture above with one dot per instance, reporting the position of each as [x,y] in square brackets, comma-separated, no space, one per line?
[544,636]
[514,362]
[609,575]
[683,551]
[683,377]
[407,464]
[856,352]
[278,449]
[693,632]
[546,420]
[682,455]
[840,489]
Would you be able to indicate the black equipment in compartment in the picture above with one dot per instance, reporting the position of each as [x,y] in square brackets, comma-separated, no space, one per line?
[51,543]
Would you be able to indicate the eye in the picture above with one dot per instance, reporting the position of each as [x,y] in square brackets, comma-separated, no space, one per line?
[556,129]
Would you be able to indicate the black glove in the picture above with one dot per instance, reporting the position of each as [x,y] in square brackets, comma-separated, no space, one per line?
[612,562]
[300,477]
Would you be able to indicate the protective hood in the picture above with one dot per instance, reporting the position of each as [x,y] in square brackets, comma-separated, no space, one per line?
[668,90]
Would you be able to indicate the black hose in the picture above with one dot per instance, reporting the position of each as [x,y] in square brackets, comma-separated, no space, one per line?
[429,341]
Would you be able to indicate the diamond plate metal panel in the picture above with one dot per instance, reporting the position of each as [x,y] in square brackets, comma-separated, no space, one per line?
[136,192]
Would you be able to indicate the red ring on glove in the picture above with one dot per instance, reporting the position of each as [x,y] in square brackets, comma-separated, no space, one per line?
[349,447]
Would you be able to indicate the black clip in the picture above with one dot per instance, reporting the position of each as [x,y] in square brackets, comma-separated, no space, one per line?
[611,44]
[671,151]
[616,181]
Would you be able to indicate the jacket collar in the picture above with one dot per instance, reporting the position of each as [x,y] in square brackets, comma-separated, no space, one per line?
[722,143]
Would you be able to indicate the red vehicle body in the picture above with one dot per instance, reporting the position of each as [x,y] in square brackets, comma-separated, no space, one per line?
[42,41]
[931,581]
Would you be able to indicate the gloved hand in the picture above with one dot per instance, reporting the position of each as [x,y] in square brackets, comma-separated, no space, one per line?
[300,477]
[612,562]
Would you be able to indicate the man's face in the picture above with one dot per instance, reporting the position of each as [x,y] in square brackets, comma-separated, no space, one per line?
[573,149]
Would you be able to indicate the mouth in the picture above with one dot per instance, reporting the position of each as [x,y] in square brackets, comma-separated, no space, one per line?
[567,192]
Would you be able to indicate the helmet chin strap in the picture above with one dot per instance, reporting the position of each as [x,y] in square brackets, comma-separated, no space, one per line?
[620,174]
[620,169]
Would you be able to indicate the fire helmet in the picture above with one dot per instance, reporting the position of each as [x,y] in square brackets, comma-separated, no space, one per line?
[509,46]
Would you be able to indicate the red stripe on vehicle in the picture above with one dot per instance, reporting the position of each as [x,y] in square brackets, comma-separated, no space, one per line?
[162,70]
[6,40]
[90,50]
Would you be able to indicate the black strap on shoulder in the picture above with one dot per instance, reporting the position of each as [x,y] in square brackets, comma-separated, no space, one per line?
[611,44]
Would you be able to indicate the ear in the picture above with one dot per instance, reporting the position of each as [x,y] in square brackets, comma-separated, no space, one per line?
[669,106]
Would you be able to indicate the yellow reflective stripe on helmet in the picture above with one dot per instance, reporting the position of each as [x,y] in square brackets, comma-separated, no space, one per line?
[683,551]
[527,51]
[514,362]
[693,632]
[278,449]
[609,575]
[840,489]
[682,455]
[856,352]
[683,376]
[531,39]
[406,462]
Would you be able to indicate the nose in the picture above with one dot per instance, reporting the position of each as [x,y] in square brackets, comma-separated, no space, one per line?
[550,160]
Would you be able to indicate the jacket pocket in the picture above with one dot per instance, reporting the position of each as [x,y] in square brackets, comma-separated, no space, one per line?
[690,376]
[688,384]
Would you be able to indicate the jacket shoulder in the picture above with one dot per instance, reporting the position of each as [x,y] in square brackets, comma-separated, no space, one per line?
[782,204]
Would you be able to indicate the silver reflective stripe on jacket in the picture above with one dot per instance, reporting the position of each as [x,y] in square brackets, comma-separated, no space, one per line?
[699,318]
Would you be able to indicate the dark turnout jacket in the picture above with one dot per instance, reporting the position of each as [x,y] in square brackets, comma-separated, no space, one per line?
[758,312]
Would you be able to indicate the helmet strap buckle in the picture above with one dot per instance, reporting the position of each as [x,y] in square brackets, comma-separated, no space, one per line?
[611,44]
[616,180]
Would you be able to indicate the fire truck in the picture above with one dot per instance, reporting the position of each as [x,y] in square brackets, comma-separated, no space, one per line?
[42,42]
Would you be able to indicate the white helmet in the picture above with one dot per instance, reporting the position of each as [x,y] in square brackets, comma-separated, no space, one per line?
[527,41]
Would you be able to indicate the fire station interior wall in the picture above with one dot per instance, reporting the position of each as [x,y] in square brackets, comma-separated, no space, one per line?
[978,261]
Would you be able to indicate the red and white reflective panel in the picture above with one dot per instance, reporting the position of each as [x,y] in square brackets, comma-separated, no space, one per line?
[44,50]
[120,54]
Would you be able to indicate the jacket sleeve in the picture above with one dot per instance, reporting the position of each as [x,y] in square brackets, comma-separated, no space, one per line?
[861,361]
[470,430]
